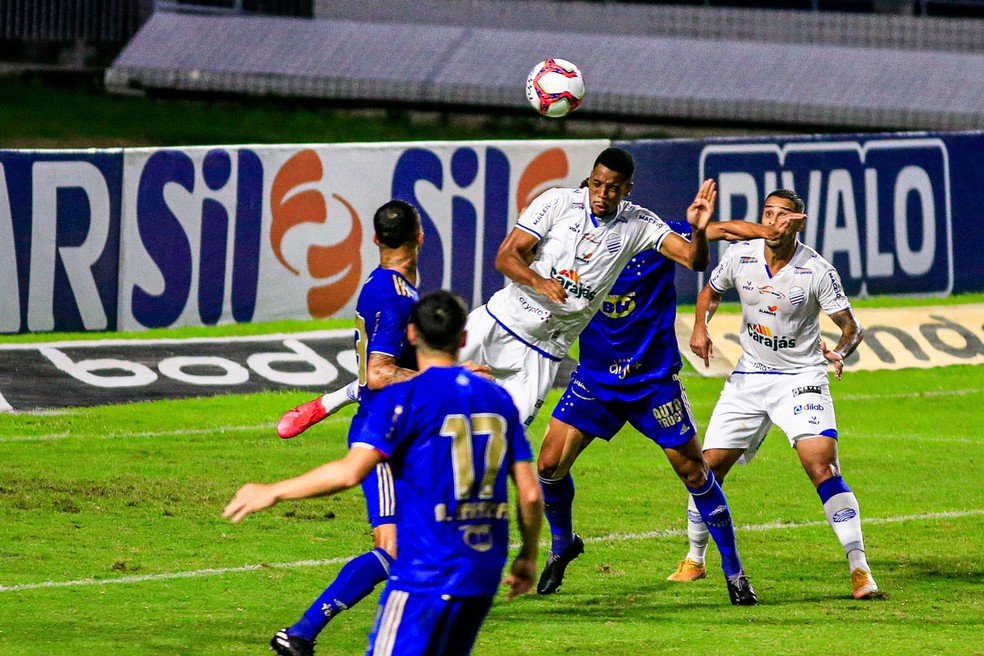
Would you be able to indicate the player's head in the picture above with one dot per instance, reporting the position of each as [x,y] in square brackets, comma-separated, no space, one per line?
[437,323]
[610,180]
[396,224]
[788,194]
[778,203]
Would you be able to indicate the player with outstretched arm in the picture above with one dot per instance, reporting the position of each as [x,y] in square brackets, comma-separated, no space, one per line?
[781,378]
[451,455]
[628,372]
[565,253]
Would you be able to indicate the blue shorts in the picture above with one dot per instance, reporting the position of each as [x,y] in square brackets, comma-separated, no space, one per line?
[431,624]
[378,487]
[662,414]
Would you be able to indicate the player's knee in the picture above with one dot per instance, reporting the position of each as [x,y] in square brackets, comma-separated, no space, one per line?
[546,467]
[694,475]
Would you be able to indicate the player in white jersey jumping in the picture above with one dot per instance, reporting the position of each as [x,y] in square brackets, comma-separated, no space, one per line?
[562,257]
[781,377]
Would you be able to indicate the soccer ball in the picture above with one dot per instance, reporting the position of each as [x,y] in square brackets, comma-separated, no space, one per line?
[555,87]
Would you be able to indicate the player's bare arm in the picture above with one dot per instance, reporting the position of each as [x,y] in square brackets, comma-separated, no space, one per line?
[529,515]
[700,340]
[851,336]
[512,261]
[329,478]
[382,370]
[694,254]
[738,230]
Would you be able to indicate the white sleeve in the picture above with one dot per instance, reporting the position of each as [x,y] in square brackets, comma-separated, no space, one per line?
[655,231]
[722,278]
[830,292]
[539,215]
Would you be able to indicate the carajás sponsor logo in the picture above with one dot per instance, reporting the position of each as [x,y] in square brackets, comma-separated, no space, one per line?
[571,281]
[763,335]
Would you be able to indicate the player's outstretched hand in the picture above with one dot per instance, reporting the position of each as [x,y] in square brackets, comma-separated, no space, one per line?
[522,573]
[833,357]
[701,345]
[481,370]
[700,211]
[250,498]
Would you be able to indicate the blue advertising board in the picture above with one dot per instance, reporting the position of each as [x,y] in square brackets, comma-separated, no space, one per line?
[893,212]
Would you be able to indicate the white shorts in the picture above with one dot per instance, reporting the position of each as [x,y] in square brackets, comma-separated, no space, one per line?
[519,369]
[750,403]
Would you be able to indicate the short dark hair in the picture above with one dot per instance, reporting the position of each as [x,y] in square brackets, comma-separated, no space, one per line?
[439,318]
[618,160]
[396,223]
[789,195]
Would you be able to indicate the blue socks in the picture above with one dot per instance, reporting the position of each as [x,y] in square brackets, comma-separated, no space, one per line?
[830,487]
[558,498]
[713,507]
[355,580]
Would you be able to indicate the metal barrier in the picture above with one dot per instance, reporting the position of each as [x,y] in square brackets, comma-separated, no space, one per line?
[113,21]
[298,8]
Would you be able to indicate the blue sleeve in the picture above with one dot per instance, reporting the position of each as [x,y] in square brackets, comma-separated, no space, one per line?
[388,335]
[385,426]
[682,228]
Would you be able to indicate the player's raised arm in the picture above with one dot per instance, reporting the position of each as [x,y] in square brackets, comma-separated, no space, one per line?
[851,336]
[515,252]
[738,230]
[529,515]
[700,340]
[694,254]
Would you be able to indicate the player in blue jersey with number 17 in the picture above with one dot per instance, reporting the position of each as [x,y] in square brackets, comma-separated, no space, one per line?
[628,372]
[384,357]
[451,455]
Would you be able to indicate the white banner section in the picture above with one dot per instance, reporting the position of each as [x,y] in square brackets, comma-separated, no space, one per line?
[257,233]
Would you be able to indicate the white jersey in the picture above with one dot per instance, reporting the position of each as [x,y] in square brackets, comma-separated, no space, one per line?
[781,310]
[586,255]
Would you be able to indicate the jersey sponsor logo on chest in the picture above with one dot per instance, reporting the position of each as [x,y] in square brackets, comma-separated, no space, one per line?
[571,281]
[763,335]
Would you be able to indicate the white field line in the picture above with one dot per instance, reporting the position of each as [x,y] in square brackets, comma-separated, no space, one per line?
[614,537]
[186,431]
[338,418]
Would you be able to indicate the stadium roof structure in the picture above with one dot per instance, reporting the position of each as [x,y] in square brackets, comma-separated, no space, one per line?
[640,63]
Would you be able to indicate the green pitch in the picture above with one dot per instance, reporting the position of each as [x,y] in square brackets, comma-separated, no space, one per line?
[112,540]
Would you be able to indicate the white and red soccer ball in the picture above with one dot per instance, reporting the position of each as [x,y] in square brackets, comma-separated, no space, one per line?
[555,87]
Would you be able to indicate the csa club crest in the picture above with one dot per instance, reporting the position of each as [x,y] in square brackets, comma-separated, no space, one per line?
[613,242]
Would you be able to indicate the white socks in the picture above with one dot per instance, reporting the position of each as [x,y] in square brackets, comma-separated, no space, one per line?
[697,532]
[844,517]
[335,401]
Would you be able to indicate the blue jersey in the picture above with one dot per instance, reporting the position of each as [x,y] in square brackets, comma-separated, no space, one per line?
[631,341]
[450,438]
[381,317]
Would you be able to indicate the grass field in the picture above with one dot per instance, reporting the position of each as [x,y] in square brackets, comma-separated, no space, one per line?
[113,541]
